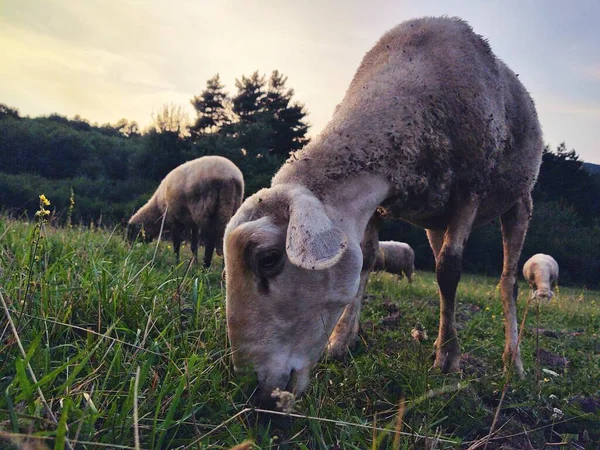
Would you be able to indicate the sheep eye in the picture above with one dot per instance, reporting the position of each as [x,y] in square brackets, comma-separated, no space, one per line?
[269,260]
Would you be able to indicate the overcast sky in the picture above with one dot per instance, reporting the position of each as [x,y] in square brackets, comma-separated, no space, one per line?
[109,59]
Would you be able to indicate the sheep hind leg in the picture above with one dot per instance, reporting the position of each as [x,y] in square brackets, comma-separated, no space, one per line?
[195,241]
[436,240]
[514,224]
[209,248]
[409,274]
[448,270]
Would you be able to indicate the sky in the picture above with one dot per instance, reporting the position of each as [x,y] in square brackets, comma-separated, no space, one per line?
[112,59]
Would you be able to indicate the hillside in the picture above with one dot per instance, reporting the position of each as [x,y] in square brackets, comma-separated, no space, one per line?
[592,168]
[125,343]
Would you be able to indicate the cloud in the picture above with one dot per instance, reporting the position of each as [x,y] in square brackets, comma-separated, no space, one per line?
[55,74]
[567,106]
[592,73]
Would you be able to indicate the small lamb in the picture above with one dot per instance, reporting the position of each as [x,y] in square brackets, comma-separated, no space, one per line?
[395,257]
[541,272]
[200,195]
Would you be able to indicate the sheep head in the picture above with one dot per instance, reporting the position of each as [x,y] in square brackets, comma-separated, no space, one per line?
[542,294]
[142,231]
[290,272]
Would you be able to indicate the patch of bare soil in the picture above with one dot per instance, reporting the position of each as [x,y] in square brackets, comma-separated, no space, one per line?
[390,306]
[552,360]
[470,365]
[392,320]
[556,333]
[464,313]
[588,404]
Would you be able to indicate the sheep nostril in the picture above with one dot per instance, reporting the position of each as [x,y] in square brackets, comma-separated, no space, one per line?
[291,384]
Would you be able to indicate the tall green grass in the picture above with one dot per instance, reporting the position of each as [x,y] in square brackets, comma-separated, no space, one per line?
[128,347]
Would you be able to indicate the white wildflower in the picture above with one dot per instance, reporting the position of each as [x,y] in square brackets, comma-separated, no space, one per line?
[418,333]
[286,400]
[557,414]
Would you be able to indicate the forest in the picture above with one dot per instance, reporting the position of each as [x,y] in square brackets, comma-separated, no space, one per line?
[109,170]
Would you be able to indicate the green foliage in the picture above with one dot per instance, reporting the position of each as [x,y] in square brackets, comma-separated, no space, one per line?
[563,178]
[162,153]
[58,148]
[95,200]
[90,310]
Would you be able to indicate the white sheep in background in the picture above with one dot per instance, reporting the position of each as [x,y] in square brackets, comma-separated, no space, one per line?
[435,129]
[541,272]
[200,195]
[397,258]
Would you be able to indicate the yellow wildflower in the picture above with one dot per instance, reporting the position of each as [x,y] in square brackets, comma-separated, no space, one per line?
[44,200]
[546,380]
[42,212]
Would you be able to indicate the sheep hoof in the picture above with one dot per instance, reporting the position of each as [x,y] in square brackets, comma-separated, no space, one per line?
[445,363]
[447,357]
[338,351]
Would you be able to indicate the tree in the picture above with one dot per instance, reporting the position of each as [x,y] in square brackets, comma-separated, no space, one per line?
[285,118]
[211,108]
[563,178]
[7,111]
[165,144]
[126,128]
[170,119]
[269,123]
[248,103]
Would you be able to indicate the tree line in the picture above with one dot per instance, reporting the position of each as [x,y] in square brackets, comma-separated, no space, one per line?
[112,169]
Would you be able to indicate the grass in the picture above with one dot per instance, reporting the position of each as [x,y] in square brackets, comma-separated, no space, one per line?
[130,351]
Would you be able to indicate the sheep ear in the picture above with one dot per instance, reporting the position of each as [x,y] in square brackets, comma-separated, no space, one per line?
[313,241]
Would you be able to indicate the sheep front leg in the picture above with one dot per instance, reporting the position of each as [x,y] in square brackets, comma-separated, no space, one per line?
[514,224]
[448,270]
[346,330]
[177,232]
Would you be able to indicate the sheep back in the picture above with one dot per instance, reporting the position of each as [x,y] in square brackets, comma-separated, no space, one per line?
[204,192]
[431,110]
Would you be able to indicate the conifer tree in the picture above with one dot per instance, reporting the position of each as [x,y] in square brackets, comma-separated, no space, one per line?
[249,101]
[285,118]
[211,108]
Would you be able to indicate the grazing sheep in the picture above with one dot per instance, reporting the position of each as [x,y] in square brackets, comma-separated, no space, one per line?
[541,272]
[395,257]
[200,195]
[435,129]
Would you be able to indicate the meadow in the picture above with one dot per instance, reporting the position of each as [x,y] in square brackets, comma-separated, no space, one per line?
[104,344]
